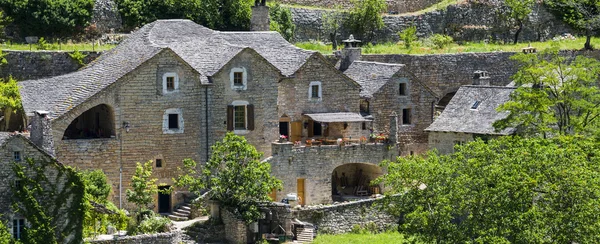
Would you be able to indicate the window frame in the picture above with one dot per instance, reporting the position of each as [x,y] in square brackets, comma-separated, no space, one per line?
[18,227]
[244,104]
[19,154]
[407,118]
[165,77]
[232,73]
[319,86]
[166,121]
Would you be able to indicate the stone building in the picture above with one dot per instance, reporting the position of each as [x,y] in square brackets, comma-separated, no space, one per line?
[16,148]
[469,115]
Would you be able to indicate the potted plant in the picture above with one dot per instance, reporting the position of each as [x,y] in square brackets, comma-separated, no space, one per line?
[283,138]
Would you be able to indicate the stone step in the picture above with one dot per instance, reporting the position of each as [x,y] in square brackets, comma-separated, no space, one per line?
[181,214]
[177,218]
[181,210]
[188,208]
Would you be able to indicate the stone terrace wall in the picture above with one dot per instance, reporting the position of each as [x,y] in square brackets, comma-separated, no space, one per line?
[26,65]
[341,218]
[399,6]
[473,21]
[161,238]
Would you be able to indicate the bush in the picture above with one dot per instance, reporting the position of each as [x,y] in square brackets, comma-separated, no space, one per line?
[281,21]
[441,41]
[408,36]
[148,223]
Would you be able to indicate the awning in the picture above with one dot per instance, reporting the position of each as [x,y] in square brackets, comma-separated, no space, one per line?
[337,117]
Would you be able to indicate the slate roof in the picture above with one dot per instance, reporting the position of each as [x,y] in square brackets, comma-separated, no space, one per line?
[205,50]
[337,117]
[4,136]
[459,116]
[371,75]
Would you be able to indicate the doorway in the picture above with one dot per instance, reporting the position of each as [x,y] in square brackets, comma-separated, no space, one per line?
[284,129]
[164,200]
[301,189]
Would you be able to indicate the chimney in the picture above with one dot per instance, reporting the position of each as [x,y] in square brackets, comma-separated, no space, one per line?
[350,53]
[481,78]
[40,133]
[260,16]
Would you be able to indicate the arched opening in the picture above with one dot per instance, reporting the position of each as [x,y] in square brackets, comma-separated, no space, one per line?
[441,105]
[353,181]
[97,122]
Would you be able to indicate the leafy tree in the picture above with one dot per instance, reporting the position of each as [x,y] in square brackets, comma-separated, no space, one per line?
[5,235]
[510,190]
[96,186]
[408,36]
[190,176]
[332,22]
[144,188]
[583,15]
[365,17]
[10,101]
[518,12]
[557,95]
[281,21]
[49,17]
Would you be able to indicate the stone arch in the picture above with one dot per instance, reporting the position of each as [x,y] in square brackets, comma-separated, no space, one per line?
[96,122]
[353,181]
[443,102]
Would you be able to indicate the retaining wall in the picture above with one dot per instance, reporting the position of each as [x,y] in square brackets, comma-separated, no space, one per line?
[398,6]
[26,65]
[161,238]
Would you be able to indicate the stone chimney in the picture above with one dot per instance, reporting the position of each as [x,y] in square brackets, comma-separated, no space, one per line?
[260,16]
[481,78]
[40,133]
[350,53]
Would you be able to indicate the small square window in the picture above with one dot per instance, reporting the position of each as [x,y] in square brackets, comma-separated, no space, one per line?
[406,116]
[17,156]
[412,153]
[315,91]
[238,78]
[170,83]
[402,89]
[18,184]
[159,163]
[174,121]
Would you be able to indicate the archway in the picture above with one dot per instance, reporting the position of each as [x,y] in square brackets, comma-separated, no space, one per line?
[442,103]
[97,122]
[353,181]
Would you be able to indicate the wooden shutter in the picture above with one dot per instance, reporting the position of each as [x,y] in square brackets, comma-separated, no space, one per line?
[229,117]
[250,114]
[311,128]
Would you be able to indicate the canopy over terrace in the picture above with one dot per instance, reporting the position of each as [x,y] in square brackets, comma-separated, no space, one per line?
[328,127]
[337,117]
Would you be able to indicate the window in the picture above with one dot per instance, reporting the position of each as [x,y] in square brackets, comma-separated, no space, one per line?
[406,116]
[364,125]
[18,184]
[364,106]
[476,105]
[18,228]
[173,121]
[238,78]
[240,117]
[159,163]
[402,91]
[170,82]
[17,156]
[315,92]
[317,128]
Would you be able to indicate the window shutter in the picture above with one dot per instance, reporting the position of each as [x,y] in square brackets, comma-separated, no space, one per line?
[311,128]
[230,117]
[250,112]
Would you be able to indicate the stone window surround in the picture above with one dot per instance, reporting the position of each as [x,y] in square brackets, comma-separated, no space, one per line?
[238,103]
[165,124]
[410,117]
[310,86]
[17,156]
[244,78]
[164,82]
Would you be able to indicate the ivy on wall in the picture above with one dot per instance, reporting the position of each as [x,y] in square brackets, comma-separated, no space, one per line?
[53,205]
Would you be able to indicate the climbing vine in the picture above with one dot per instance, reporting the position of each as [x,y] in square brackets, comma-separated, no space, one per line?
[51,198]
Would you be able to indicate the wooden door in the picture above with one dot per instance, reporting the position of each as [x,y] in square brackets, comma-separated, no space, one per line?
[273,195]
[300,187]
[296,131]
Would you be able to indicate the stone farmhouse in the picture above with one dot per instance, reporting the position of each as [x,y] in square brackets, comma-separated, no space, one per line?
[173,88]
[16,148]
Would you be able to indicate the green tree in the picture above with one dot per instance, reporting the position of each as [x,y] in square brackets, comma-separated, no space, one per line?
[281,21]
[96,185]
[10,102]
[5,235]
[556,95]
[49,17]
[332,23]
[365,17]
[144,187]
[518,12]
[408,36]
[510,190]
[583,15]
[237,178]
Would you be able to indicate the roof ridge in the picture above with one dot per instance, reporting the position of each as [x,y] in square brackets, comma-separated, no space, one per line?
[373,62]
[489,86]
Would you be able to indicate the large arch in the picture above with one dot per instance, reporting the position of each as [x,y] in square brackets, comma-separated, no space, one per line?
[353,181]
[96,122]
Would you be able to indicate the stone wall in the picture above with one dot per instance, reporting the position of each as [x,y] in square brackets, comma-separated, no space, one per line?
[398,6]
[236,230]
[444,142]
[341,218]
[316,165]
[161,238]
[106,18]
[472,21]
[26,65]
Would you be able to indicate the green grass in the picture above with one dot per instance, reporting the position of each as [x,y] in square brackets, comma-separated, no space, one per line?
[383,238]
[58,47]
[398,48]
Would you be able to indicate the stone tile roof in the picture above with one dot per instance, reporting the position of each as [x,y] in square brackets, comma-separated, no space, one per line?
[337,117]
[203,49]
[371,75]
[459,116]
[4,136]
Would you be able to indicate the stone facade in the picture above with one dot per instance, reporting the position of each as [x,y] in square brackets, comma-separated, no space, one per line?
[444,142]
[260,18]
[160,238]
[236,231]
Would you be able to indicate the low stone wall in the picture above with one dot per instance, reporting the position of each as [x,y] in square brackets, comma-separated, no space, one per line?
[398,6]
[161,238]
[341,218]
[26,65]
[235,230]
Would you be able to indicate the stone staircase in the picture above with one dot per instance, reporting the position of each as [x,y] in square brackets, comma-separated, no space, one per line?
[182,213]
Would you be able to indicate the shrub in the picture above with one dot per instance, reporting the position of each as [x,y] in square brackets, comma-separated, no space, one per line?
[42,44]
[440,41]
[78,57]
[148,223]
[408,36]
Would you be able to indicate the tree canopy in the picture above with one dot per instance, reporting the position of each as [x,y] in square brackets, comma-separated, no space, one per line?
[583,15]
[518,12]
[281,21]
[143,186]
[365,18]
[510,190]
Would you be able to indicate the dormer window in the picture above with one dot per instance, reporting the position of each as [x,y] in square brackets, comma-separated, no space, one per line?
[238,78]
[476,105]
[315,91]
[170,82]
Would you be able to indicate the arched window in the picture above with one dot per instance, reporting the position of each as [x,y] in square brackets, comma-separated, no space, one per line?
[97,122]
